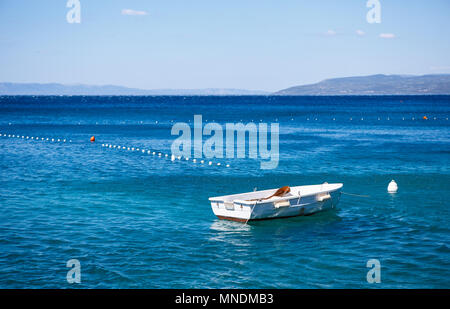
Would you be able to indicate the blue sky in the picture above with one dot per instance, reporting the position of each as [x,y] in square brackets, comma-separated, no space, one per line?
[265,45]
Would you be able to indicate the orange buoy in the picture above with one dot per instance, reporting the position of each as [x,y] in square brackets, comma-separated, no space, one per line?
[425,118]
[93,139]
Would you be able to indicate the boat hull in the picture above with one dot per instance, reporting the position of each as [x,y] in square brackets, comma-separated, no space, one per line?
[292,207]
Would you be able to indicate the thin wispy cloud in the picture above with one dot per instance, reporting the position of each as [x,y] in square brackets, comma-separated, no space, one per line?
[131,12]
[360,32]
[387,35]
[330,32]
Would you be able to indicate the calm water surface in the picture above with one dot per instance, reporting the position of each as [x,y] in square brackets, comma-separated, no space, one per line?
[138,221]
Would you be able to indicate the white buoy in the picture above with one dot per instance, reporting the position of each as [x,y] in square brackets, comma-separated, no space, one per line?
[392,187]
[172,158]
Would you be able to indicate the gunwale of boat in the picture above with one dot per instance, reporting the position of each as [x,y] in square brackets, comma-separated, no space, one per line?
[293,194]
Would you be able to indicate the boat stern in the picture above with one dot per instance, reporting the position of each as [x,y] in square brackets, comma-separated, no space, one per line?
[231,210]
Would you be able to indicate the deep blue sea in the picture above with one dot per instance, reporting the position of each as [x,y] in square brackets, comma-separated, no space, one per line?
[135,220]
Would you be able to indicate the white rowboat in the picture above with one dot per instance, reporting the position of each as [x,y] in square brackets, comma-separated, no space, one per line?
[300,201]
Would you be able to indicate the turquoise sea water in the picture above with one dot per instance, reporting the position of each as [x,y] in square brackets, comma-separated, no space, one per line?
[134,220]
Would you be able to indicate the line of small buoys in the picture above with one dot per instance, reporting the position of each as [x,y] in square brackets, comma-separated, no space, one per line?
[361,118]
[303,118]
[387,118]
[160,154]
[36,138]
[368,119]
[309,118]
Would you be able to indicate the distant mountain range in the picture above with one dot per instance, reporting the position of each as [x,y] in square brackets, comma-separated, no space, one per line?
[376,85]
[359,85]
[80,89]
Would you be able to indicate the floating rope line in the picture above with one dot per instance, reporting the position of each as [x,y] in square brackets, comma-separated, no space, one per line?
[161,154]
[36,138]
[153,152]
[353,118]
[358,195]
